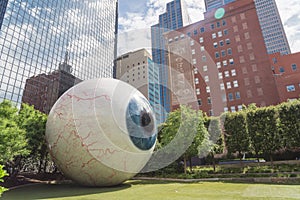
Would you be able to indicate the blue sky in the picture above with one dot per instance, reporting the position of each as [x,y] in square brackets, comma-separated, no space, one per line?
[136,17]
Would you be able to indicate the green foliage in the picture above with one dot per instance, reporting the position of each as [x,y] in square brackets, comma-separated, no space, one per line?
[183,131]
[236,132]
[12,138]
[2,174]
[271,138]
[289,114]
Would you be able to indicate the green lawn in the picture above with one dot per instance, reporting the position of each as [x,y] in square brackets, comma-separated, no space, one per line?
[157,190]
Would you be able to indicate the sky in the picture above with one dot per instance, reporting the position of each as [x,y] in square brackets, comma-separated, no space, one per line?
[137,16]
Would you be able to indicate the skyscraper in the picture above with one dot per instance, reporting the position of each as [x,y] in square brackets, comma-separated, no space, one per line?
[175,17]
[35,35]
[137,69]
[270,22]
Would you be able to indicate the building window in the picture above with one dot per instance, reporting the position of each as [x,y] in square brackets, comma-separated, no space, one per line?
[242,15]
[240,107]
[233,19]
[194,61]
[182,36]
[227,41]
[202,48]
[232,108]
[192,42]
[225,109]
[244,70]
[242,59]
[222,86]
[198,91]
[205,68]
[235,29]
[226,73]
[215,44]
[201,40]
[229,51]
[220,75]
[220,34]
[195,32]
[231,61]
[214,35]
[204,58]
[221,43]
[224,22]
[195,71]
[217,55]
[212,26]
[193,52]
[233,72]
[260,92]
[249,46]
[223,53]
[224,63]
[235,84]
[199,102]
[254,67]
[240,48]
[246,81]
[176,38]
[245,25]
[207,89]
[247,35]
[206,79]
[294,67]
[257,79]
[218,24]
[237,95]
[228,84]
[281,69]
[218,65]
[202,29]
[290,88]
[230,97]
[249,94]
[237,38]
[196,80]
[225,32]
[208,100]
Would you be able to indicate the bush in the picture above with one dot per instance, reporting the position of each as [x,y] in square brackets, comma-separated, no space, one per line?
[2,174]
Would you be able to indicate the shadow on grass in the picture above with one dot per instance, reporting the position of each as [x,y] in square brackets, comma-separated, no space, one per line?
[45,191]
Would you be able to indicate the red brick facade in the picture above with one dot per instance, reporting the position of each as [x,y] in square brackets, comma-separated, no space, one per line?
[231,61]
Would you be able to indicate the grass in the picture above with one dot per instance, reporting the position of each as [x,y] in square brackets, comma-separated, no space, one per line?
[148,190]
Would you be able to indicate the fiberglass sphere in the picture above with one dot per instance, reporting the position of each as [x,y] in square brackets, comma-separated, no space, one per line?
[101,132]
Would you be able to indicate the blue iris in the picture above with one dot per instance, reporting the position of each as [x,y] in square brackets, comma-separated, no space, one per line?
[141,123]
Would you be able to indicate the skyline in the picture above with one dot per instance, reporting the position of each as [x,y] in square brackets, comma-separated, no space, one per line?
[135,23]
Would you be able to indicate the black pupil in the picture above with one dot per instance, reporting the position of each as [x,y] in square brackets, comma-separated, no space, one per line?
[145,119]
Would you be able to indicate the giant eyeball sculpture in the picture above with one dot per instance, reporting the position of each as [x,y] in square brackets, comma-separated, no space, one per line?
[101,132]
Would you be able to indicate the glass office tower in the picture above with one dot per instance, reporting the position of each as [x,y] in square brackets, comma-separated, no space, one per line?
[175,17]
[269,20]
[42,36]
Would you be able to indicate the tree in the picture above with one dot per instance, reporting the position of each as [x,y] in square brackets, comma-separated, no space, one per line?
[216,138]
[183,131]
[12,139]
[2,174]
[254,129]
[34,123]
[236,133]
[289,114]
[269,123]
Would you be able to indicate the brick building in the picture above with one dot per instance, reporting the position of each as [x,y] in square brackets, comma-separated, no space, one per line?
[287,75]
[228,59]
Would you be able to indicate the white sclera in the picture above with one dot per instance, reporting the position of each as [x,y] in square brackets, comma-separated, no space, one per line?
[87,134]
